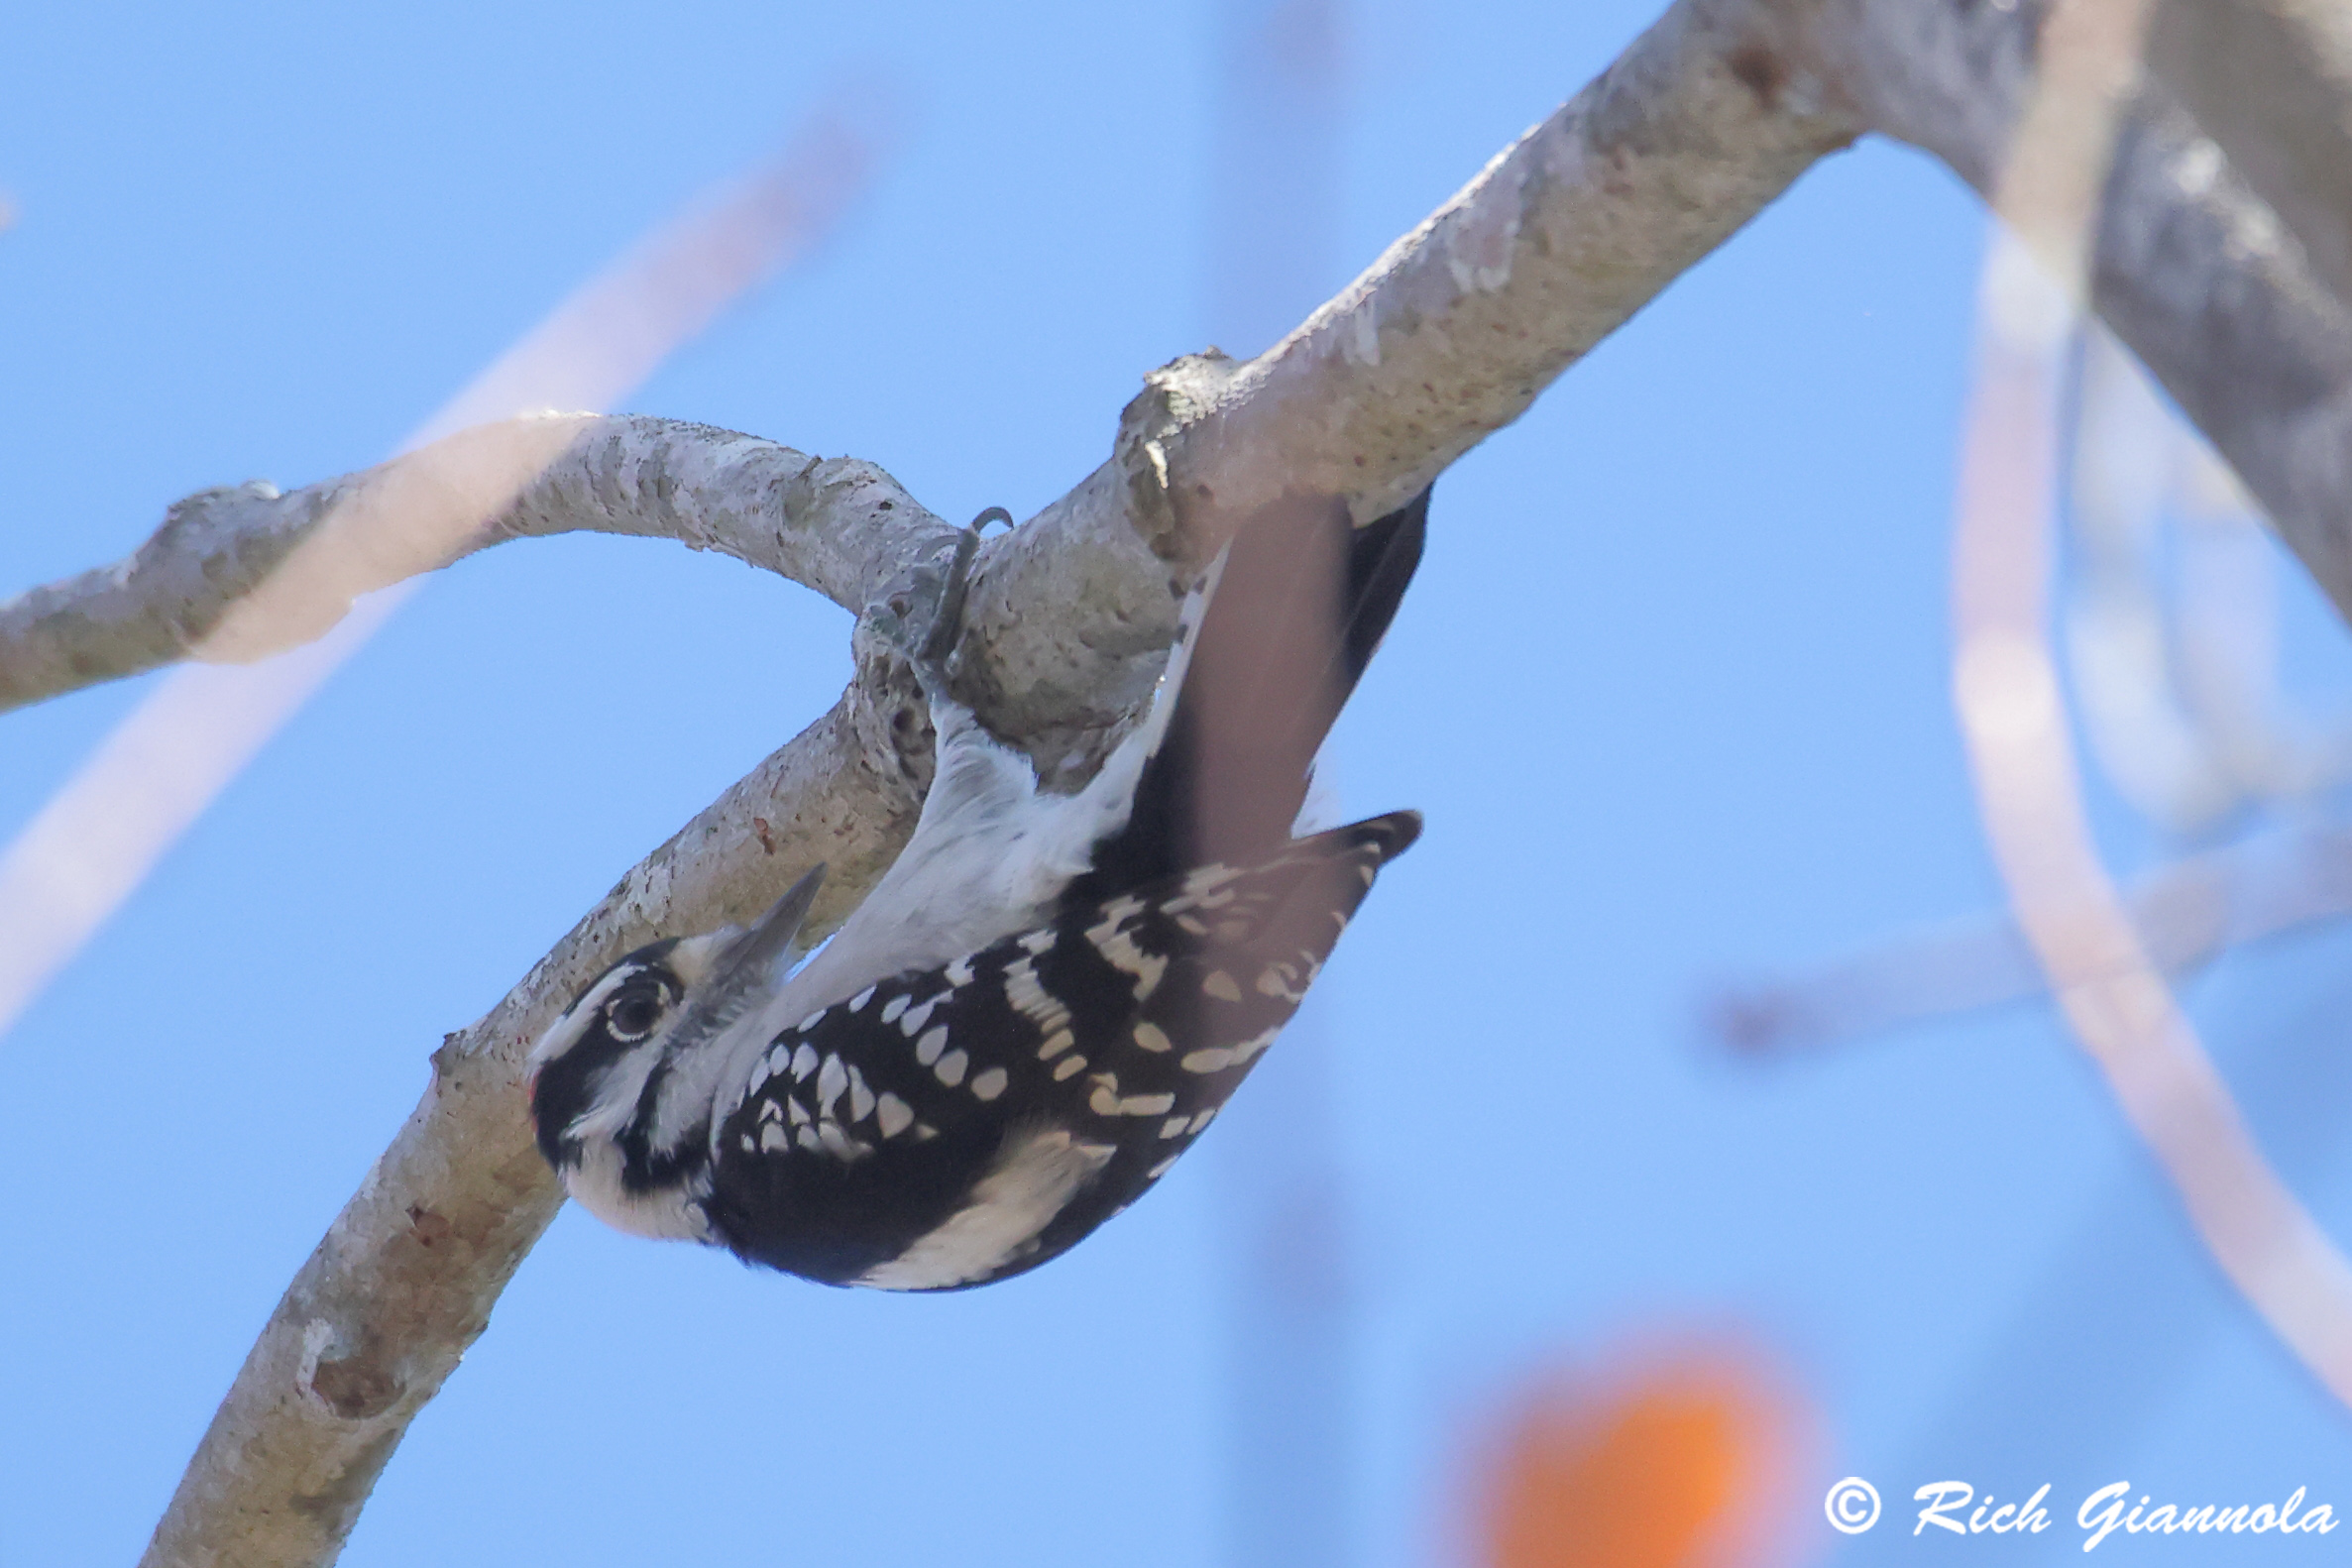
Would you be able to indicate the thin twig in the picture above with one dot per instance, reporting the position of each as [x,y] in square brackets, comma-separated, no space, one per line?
[2186,913]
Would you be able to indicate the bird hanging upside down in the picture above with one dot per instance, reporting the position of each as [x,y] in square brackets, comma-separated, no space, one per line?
[1045,1000]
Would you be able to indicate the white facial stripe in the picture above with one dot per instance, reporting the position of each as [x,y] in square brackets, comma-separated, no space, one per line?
[565,1032]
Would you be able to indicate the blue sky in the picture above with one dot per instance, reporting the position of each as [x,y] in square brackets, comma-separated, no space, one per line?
[1671,690]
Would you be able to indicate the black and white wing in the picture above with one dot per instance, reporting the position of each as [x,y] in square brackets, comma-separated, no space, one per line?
[953,1126]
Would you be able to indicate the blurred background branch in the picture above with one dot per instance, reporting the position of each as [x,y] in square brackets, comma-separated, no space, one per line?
[2187,912]
[2008,692]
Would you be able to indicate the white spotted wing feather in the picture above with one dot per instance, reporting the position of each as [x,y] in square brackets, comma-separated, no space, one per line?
[946,1127]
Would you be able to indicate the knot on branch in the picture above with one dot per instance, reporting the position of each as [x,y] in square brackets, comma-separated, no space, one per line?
[350,1382]
[1761,72]
[191,524]
[211,551]
[1177,397]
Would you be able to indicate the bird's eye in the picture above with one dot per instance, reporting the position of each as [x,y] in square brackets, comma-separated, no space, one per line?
[632,1014]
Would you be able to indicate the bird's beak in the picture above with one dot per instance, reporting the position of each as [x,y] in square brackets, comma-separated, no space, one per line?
[743,972]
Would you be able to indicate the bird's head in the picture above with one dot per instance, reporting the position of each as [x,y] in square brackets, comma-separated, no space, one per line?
[613,1032]
[614,1076]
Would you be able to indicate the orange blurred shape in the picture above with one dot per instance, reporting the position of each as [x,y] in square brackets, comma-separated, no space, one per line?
[1685,1464]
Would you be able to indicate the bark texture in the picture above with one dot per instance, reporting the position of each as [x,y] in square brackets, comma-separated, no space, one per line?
[835,524]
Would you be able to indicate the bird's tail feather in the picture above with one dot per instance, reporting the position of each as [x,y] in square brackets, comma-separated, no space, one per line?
[1290,614]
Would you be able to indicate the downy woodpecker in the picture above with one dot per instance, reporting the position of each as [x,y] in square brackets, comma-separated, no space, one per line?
[1048,996]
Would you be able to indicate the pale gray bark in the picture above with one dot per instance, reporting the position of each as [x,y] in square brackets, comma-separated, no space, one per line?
[1452,335]
[406,1278]
[1449,336]
[835,524]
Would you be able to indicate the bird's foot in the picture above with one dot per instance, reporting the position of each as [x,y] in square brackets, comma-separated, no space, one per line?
[919,616]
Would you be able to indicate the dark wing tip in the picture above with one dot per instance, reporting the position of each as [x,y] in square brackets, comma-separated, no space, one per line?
[1392,832]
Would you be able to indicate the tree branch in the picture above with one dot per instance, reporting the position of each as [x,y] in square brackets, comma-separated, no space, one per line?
[405,1279]
[1450,336]
[835,524]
